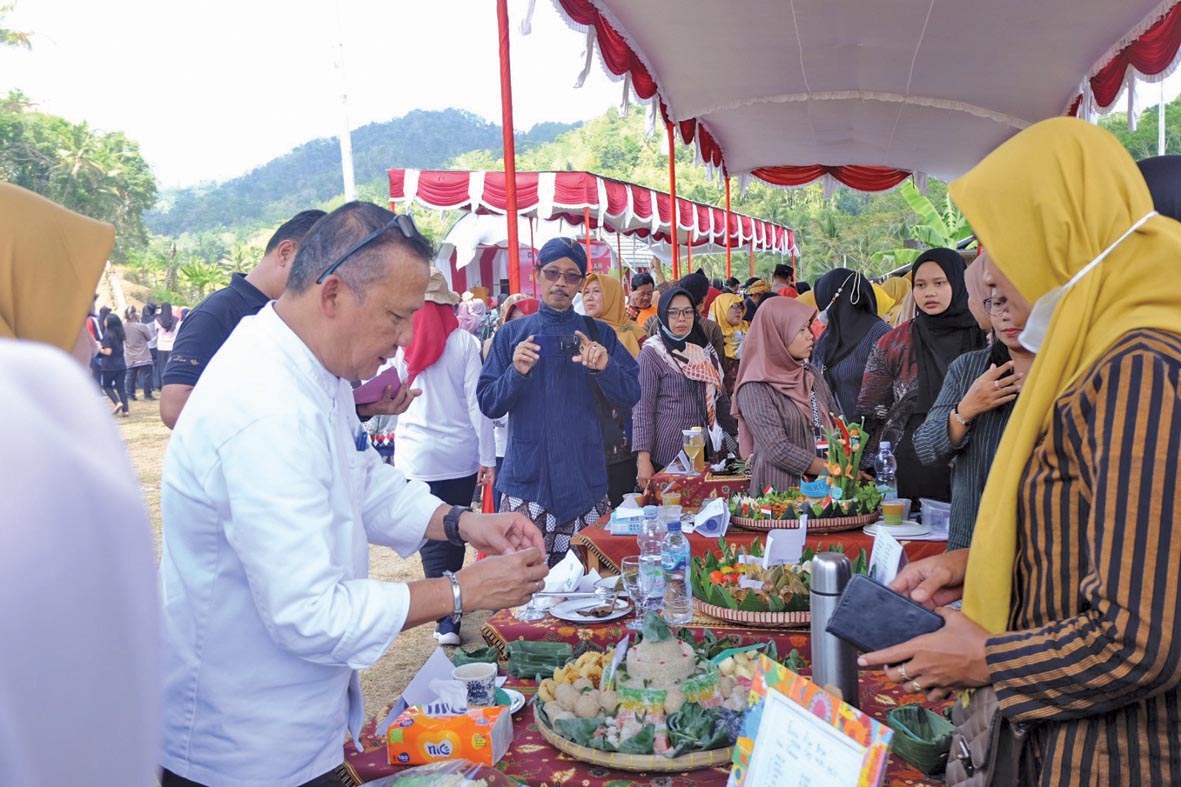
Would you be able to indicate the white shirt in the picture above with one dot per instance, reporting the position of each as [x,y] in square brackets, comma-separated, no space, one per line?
[443,434]
[80,618]
[165,339]
[269,510]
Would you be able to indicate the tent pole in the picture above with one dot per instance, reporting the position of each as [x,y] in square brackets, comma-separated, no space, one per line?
[586,234]
[728,272]
[532,257]
[672,191]
[752,254]
[619,255]
[510,153]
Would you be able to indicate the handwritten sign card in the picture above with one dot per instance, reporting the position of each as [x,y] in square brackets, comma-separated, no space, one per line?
[796,733]
[887,558]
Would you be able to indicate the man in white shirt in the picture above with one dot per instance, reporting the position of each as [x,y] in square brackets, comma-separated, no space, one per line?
[270,500]
[443,439]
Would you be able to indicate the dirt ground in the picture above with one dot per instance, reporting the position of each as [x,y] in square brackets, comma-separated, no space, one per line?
[147,438]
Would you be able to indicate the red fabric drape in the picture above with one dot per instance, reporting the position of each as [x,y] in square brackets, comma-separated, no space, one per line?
[852,175]
[1150,54]
[433,323]
[617,55]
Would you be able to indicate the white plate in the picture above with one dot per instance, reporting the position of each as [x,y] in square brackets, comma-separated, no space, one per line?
[518,700]
[609,583]
[568,610]
[908,529]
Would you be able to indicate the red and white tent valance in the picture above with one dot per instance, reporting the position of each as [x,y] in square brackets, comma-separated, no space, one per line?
[866,94]
[613,205]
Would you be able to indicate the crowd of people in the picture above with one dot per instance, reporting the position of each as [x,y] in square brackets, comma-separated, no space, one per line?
[1035,385]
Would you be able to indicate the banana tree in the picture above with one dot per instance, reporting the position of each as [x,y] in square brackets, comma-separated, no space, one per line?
[935,228]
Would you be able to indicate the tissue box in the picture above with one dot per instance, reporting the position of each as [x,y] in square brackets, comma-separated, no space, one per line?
[481,735]
[626,521]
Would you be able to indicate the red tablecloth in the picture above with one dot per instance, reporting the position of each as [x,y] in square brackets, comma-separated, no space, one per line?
[504,627]
[605,551]
[532,761]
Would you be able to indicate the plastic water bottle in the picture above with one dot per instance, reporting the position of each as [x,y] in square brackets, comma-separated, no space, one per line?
[674,559]
[886,468]
[651,540]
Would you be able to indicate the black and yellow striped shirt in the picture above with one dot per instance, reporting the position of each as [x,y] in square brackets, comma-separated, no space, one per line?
[1092,659]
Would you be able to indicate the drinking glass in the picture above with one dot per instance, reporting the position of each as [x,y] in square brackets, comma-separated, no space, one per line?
[531,613]
[693,441]
[630,571]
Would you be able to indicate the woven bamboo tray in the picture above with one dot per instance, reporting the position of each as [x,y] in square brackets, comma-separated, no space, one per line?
[828,525]
[801,619]
[653,763]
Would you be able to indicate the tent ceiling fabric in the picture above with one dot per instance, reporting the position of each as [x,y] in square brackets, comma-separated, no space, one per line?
[912,85]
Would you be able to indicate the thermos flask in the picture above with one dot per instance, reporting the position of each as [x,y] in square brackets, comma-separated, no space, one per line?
[834,661]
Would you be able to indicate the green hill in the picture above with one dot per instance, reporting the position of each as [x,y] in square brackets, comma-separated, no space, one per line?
[310,174]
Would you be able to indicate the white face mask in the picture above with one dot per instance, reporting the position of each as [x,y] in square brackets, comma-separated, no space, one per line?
[1038,322]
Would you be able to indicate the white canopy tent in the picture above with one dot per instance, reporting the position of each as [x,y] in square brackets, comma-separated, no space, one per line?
[869,93]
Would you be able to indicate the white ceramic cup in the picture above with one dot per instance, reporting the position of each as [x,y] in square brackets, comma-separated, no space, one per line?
[480,680]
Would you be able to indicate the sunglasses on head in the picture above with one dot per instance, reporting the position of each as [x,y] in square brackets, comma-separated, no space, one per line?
[401,222]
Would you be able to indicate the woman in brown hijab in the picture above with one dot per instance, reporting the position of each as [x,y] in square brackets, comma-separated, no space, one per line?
[782,406]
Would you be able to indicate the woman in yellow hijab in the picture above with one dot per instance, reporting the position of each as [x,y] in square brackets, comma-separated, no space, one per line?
[603,299]
[50,262]
[1071,590]
[896,288]
[727,311]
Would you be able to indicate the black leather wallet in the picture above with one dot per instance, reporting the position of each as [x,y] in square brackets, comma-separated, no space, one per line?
[873,617]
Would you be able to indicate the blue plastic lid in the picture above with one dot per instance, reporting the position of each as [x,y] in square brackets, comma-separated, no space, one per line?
[649,512]
[674,526]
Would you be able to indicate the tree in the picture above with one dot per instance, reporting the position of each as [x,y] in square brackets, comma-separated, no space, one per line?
[936,228]
[10,37]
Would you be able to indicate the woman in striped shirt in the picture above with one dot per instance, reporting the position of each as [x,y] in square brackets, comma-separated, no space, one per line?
[680,387]
[978,396]
[1071,590]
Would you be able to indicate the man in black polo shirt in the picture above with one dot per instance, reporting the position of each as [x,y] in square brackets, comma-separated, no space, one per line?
[208,326]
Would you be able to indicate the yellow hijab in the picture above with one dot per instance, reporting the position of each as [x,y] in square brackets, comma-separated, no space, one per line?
[808,298]
[884,299]
[615,312]
[1044,204]
[50,261]
[718,311]
[897,288]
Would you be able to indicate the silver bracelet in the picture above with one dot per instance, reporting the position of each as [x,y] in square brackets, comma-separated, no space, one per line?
[955,413]
[456,596]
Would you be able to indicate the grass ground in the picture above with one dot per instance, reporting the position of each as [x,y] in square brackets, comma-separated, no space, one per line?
[147,438]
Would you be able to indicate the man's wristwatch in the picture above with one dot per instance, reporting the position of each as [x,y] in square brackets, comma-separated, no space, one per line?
[451,525]
[456,596]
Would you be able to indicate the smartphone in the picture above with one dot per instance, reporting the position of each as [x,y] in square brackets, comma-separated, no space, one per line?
[558,345]
[873,617]
[374,390]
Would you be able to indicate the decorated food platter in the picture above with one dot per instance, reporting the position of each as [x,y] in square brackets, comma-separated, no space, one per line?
[731,584]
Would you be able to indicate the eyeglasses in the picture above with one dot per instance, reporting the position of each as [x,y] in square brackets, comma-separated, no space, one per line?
[686,312]
[401,222]
[995,306]
[571,277]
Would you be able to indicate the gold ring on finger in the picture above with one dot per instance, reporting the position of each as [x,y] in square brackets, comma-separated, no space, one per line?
[902,672]
[917,688]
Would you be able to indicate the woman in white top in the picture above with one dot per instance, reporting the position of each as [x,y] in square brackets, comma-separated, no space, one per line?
[166,328]
[443,439]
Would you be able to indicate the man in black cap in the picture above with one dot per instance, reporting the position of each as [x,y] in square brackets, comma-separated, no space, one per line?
[782,281]
[550,372]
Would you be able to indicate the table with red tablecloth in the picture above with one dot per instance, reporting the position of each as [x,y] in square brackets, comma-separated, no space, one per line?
[533,761]
[603,551]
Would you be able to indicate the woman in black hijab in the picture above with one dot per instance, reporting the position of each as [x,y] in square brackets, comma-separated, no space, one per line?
[848,307]
[1163,176]
[905,370]
[680,388]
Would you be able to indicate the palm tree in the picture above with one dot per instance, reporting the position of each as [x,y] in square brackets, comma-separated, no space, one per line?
[12,37]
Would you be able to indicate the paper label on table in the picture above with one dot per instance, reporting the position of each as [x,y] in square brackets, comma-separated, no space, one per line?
[682,465]
[750,584]
[794,747]
[608,678]
[418,692]
[785,546]
[796,733]
[888,557]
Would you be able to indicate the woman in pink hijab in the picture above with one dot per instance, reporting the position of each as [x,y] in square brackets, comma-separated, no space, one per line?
[977,292]
[783,407]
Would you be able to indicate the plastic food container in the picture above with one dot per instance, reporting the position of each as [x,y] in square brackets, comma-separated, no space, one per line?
[935,514]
